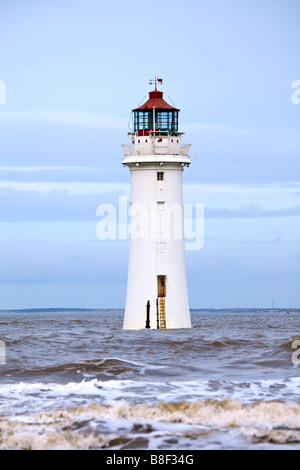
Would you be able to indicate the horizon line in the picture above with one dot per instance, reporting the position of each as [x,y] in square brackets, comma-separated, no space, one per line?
[64,309]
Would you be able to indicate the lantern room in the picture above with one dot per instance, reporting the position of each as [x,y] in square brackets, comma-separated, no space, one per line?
[156,117]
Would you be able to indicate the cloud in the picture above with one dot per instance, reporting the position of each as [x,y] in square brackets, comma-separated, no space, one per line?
[56,201]
[42,261]
[66,118]
[206,127]
[29,169]
[250,211]
[78,200]
[236,189]
[68,187]
[220,281]
[209,130]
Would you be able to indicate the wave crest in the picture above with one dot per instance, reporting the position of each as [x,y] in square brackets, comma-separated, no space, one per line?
[90,426]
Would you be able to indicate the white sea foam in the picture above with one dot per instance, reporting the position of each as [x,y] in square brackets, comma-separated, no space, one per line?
[245,391]
[104,414]
[107,426]
[108,392]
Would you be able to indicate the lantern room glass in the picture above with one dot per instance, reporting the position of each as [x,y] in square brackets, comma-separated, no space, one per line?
[166,121]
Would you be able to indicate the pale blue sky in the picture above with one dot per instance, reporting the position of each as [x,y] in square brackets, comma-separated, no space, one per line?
[74,70]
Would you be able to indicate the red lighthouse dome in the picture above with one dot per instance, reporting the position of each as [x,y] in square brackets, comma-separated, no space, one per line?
[156,116]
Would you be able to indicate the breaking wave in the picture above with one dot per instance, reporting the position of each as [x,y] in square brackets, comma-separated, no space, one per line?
[100,368]
[95,426]
[121,413]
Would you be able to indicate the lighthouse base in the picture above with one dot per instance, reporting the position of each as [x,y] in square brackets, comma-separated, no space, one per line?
[157,302]
[159,319]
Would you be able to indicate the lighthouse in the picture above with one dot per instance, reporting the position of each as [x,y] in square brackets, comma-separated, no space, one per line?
[157,295]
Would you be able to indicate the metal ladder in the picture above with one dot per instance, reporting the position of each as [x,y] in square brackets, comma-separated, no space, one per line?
[162,313]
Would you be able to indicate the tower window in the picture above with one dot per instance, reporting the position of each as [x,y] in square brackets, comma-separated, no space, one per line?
[160,176]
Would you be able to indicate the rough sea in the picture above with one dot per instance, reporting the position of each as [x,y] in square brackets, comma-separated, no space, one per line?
[77,380]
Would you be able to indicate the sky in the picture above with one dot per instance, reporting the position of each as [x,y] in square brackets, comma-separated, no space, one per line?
[70,74]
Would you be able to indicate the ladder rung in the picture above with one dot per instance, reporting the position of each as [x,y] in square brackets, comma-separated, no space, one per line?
[162,313]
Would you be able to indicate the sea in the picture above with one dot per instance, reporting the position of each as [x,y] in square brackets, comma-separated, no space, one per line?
[74,379]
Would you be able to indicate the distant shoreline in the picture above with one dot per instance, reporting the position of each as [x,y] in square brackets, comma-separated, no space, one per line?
[65,310]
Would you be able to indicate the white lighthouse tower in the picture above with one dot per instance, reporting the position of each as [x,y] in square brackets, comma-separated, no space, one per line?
[157,295]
